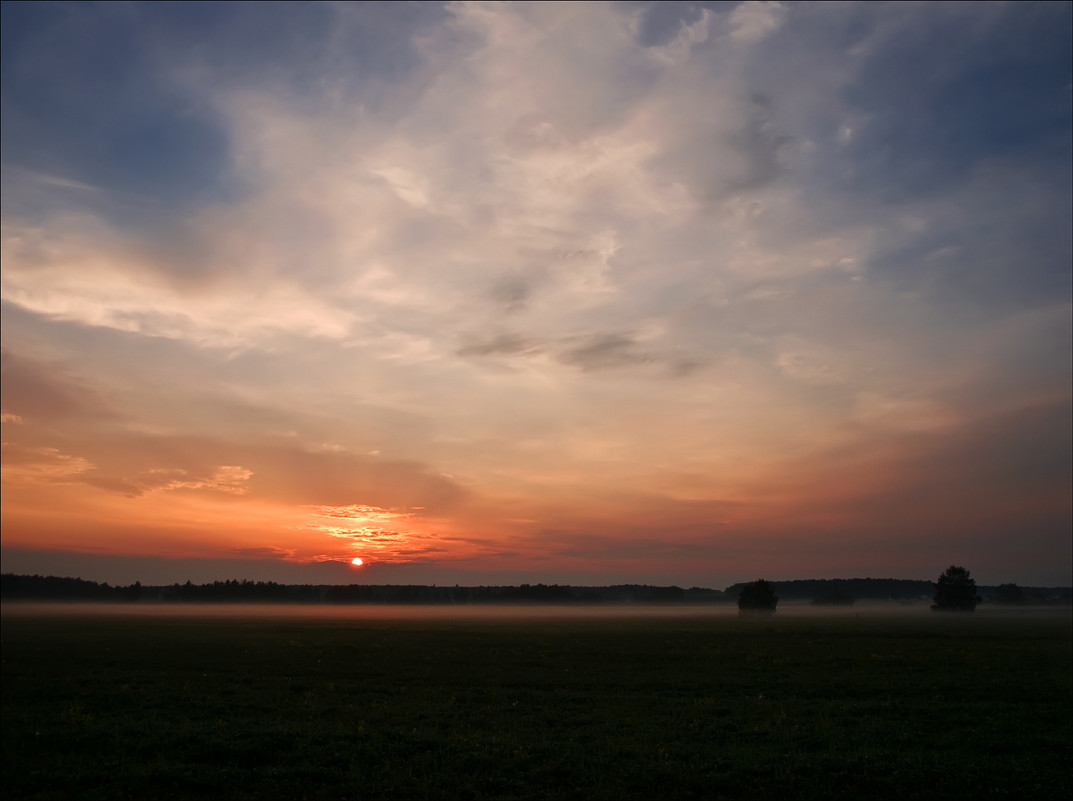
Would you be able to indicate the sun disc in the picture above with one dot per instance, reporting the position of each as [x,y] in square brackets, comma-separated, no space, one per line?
[356,561]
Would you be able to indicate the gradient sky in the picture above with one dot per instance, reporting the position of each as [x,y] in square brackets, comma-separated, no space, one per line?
[676,293]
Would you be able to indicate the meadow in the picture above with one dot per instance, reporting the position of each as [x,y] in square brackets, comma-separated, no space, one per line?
[504,706]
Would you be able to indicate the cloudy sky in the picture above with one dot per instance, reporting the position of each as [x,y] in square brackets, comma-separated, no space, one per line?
[675,293]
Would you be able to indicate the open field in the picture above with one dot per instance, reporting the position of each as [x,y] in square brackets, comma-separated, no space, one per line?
[692,706]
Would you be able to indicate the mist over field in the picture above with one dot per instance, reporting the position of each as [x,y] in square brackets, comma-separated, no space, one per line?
[385,387]
[870,610]
[534,703]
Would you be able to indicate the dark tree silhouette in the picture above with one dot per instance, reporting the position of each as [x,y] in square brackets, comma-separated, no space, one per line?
[757,597]
[1009,594]
[955,591]
[834,598]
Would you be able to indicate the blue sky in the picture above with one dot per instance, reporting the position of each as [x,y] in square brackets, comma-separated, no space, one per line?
[676,293]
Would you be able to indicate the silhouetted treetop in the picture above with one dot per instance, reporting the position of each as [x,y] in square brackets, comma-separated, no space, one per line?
[1009,594]
[758,597]
[955,591]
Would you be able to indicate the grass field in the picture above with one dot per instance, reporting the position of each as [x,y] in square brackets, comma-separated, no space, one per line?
[702,706]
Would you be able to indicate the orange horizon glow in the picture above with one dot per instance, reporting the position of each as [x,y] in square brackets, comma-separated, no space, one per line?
[562,291]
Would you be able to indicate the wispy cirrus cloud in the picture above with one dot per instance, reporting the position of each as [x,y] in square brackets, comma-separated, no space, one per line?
[23,464]
[569,263]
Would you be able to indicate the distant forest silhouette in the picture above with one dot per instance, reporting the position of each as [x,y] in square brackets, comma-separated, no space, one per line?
[835,592]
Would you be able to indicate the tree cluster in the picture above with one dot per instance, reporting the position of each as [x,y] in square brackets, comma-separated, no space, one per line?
[838,597]
[54,588]
[758,597]
[955,591]
[1009,594]
[860,589]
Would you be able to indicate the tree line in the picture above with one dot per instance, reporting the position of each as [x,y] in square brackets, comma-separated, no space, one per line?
[817,591]
[16,587]
[54,588]
[954,591]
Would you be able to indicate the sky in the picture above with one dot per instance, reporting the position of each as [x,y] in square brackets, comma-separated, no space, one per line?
[590,293]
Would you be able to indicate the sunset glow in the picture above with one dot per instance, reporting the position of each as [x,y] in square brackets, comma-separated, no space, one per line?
[555,292]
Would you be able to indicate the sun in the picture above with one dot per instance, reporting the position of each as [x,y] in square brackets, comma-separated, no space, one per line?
[357,561]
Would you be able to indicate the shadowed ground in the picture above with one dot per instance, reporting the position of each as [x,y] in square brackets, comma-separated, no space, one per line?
[691,707]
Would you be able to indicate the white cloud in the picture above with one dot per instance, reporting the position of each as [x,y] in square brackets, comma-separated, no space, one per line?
[537,141]
[544,187]
[77,273]
[229,479]
[752,21]
[689,35]
[30,464]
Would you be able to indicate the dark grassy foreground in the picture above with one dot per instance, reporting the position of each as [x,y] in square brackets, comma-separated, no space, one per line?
[712,707]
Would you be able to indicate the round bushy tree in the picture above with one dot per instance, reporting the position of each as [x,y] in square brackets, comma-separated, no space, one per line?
[757,597]
[955,591]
